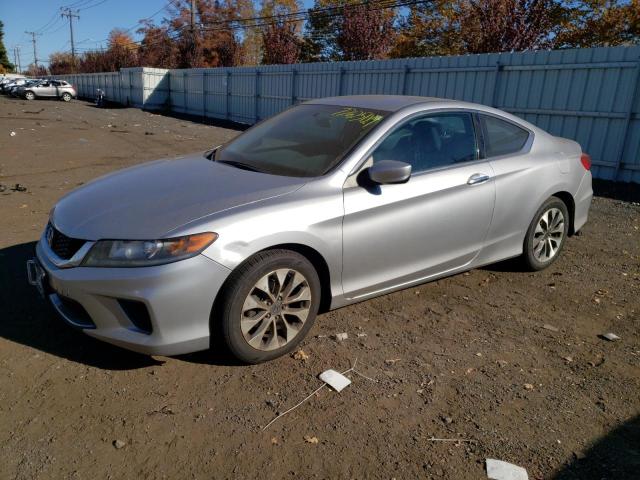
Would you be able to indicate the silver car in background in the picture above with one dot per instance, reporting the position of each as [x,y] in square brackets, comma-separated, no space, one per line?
[49,89]
[329,203]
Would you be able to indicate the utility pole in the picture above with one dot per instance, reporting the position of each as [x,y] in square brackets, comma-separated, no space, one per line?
[33,40]
[18,66]
[193,18]
[15,59]
[71,14]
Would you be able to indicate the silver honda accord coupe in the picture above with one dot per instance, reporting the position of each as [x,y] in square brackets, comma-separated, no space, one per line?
[331,202]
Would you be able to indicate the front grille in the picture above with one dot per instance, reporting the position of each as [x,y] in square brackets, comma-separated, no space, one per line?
[63,246]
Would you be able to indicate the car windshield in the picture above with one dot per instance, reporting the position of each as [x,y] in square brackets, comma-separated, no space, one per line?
[304,141]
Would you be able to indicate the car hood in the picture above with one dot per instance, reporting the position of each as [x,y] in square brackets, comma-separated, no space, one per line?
[150,200]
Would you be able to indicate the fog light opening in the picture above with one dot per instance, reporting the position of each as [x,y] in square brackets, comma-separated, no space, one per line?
[138,315]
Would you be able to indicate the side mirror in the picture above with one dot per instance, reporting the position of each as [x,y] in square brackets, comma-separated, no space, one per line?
[389,171]
[209,154]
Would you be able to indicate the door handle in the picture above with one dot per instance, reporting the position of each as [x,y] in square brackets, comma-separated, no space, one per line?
[478,178]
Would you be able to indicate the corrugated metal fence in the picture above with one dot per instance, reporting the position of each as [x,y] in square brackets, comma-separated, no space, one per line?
[590,95]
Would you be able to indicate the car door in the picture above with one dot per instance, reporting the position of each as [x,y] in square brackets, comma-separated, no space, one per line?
[521,180]
[394,235]
[45,89]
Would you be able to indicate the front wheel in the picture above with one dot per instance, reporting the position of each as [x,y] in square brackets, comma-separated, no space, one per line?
[29,95]
[65,97]
[546,234]
[270,303]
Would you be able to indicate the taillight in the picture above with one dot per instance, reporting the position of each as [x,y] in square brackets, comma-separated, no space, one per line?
[585,159]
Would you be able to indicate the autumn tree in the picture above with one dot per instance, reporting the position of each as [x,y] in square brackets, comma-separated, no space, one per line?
[345,29]
[251,37]
[430,28]
[157,48]
[508,25]
[122,51]
[94,61]
[281,44]
[61,63]
[36,71]
[211,41]
[601,23]
[323,26]
[366,33]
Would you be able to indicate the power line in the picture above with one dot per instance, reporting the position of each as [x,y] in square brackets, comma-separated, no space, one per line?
[62,25]
[334,11]
[238,24]
[49,24]
[261,21]
[94,5]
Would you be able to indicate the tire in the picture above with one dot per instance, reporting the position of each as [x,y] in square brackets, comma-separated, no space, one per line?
[546,235]
[29,95]
[254,324]
[65,97]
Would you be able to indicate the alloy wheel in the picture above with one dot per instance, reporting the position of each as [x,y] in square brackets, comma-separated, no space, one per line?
[548,235]
[275,309]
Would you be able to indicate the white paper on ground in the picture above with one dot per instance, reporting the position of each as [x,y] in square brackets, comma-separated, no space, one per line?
[499,470]
[334,379]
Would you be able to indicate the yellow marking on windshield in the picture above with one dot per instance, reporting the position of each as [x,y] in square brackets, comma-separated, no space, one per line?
[363,117]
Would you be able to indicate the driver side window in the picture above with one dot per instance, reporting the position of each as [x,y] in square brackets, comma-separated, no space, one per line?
[431,141]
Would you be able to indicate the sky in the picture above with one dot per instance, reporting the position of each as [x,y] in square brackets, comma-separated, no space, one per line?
[97,19]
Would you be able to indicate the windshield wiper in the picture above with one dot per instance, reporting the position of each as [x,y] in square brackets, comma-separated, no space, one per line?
[243,166]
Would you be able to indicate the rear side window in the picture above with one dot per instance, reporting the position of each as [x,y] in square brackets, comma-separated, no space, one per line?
[502,138]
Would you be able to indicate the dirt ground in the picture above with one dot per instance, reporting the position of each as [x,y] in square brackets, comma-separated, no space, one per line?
[509,363]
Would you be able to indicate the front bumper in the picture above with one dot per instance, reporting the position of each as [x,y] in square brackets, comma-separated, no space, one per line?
[178,298]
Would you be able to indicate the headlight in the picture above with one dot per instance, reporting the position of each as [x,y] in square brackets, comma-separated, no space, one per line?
[144,253]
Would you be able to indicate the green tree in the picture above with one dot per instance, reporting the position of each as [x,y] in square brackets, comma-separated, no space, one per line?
[4,59]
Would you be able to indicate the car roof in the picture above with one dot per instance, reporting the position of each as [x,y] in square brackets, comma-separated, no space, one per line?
[395,103]
[389,103]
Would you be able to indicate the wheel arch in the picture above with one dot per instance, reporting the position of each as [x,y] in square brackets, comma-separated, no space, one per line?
[315,258]
[568,200]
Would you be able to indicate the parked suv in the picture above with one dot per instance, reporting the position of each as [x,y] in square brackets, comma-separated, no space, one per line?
[50,88]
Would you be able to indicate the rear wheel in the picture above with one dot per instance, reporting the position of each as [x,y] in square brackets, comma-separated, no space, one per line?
[65,97]
[29,95]
[546,234]
[269,305]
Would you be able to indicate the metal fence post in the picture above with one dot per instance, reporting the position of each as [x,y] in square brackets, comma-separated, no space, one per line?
[496,85]
[405,74]
[256,92]
[293,86]
[228,96]
[168,101]
[184,91]
[204,94]
[633,97]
